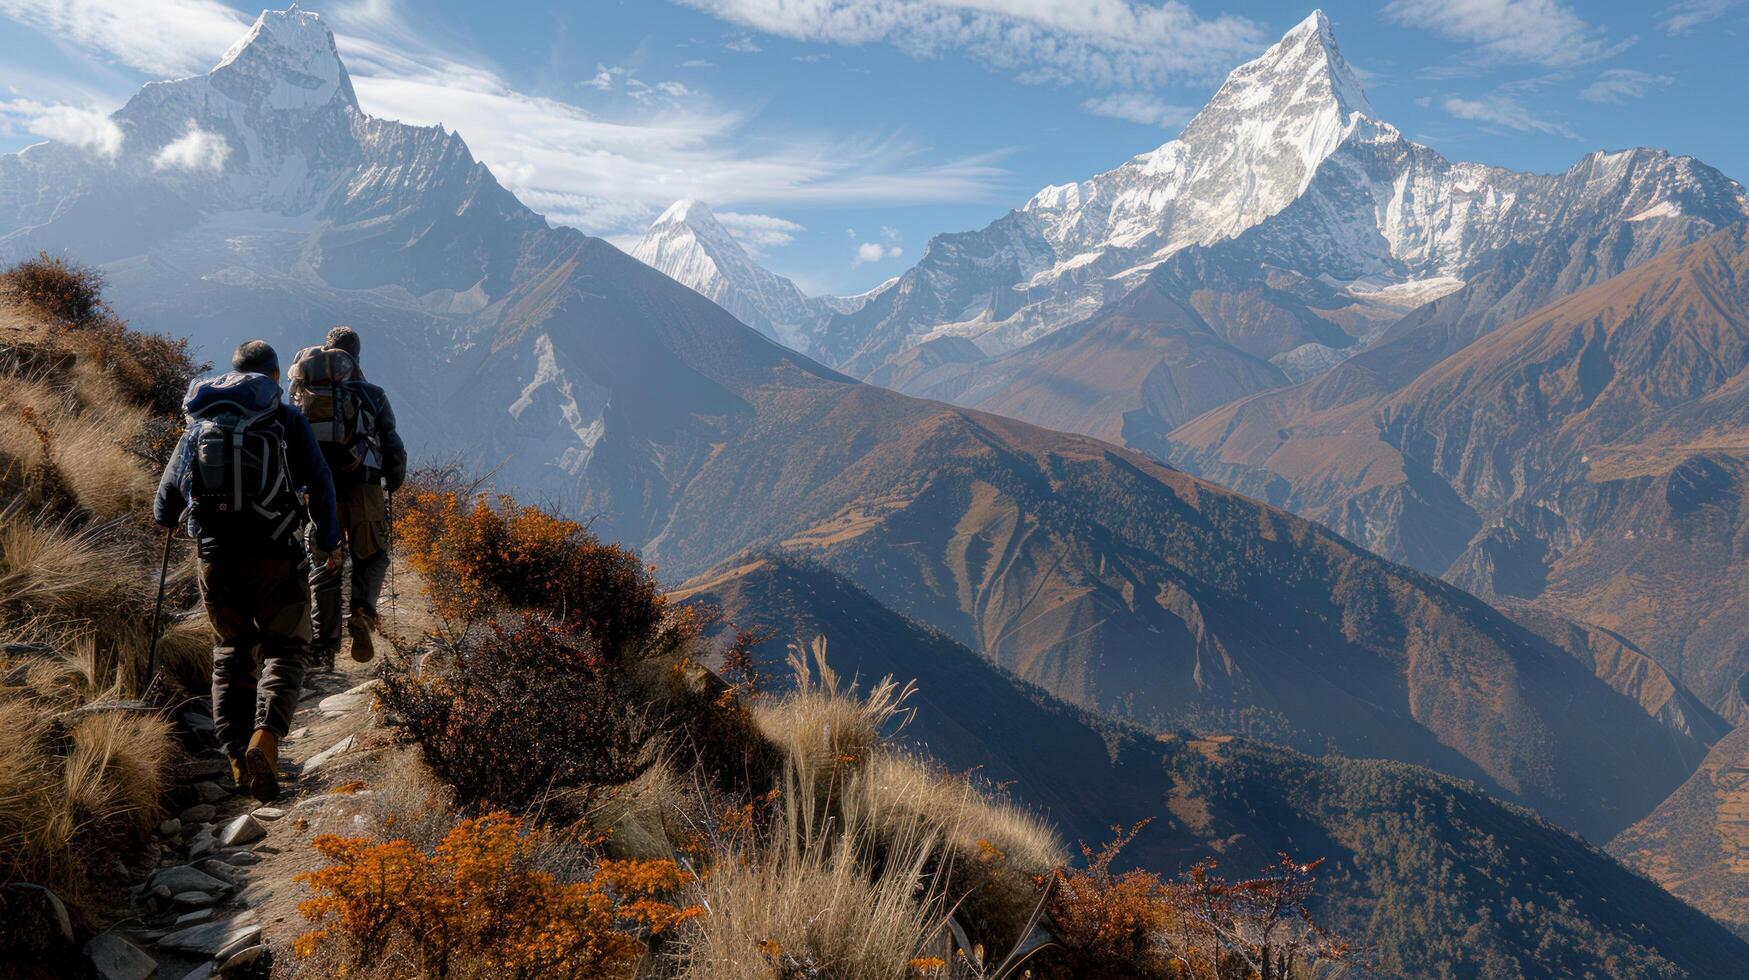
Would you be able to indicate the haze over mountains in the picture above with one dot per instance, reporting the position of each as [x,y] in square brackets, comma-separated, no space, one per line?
[1108,579]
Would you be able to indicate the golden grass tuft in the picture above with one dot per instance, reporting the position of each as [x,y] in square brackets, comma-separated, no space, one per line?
[72,790]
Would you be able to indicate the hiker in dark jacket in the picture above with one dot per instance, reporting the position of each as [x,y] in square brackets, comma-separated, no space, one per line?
[361,474]
[252,578]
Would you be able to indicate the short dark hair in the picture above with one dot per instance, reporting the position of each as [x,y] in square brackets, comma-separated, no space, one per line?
[256,357]
[344,338]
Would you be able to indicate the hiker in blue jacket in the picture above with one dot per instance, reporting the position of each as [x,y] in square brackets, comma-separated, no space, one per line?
[244,478]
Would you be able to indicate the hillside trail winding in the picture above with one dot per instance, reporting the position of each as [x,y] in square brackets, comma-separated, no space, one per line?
[222,899]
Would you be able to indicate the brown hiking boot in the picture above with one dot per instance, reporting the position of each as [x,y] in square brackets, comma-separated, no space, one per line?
[239,775]
[261,766]
[359,626]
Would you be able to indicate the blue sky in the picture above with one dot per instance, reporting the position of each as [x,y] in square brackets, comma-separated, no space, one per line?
[836,136]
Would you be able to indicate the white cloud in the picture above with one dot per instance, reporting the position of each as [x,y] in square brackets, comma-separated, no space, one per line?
[196,151]
[86,128]
[886,248]
[1140,108]
[605,172]
[1543,32]
[744,45]
[759,230]
[1619,85]
[1106,42]
[1686,15]
[605,78]
[164,38]
[1505,112]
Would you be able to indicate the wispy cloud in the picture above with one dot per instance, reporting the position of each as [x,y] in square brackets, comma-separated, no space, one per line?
[605,171]
[1139,107]
[196,151]
[164,38]
[1685,15]
[759,231]
[1505,112]
[1618,85]
[1108,42]
[81,126]
[1545,32]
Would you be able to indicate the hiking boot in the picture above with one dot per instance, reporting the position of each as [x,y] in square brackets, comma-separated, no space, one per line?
[359,626]
[239,775]
[324,656]
[261,766]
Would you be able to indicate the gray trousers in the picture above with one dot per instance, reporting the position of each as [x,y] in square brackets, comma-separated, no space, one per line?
[364,519]
[255,605]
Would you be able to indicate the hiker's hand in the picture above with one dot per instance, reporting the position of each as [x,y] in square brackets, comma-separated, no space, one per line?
[333,561]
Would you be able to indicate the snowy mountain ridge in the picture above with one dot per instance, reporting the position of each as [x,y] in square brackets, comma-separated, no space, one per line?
[1288,157]
[688,244]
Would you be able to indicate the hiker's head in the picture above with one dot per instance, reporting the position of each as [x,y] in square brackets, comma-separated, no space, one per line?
[256,357]
[344,338]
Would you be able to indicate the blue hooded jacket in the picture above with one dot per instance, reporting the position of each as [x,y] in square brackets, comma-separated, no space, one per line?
[309,471]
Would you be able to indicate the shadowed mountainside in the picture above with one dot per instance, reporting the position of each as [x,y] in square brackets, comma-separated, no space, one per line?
[1426,873]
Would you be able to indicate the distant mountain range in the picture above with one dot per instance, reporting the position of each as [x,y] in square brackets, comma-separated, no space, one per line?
[1429,876]
[590,381]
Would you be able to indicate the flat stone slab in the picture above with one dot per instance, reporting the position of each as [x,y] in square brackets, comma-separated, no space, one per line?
[267,813]
[327,755]
[210,938]
[199,813]
[117,959]
[184,878]
[194,900]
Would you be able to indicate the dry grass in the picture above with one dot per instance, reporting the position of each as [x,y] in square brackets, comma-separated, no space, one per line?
[72,791]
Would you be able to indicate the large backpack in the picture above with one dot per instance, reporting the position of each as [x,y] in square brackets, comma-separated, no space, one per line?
[327,387]
[238,483]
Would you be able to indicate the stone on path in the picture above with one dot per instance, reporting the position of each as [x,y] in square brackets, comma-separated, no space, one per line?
[117,959]
[267,813]
[242,958]
[211,938]
[201,972]
[194,900]
[354,697]
[243,830]
[242,941]
[323,757]
[199,813]
[211,792]
[185,878]
[170,828]
[191,918]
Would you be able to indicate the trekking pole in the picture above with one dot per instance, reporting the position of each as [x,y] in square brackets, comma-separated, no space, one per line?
[394,596]
[158,608]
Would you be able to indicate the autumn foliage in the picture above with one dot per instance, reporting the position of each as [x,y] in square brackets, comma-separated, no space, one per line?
[1198,926]
[477,907]
[482,554]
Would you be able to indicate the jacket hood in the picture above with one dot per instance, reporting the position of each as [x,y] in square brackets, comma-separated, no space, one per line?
[249,392]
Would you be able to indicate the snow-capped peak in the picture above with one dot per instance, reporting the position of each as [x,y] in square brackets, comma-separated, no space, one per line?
[288,60]
[689,245]
[1249,153]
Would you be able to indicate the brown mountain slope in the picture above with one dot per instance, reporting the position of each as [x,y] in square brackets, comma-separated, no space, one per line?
[1696,844]
[1425,874]
[1590,456]
[1105,578]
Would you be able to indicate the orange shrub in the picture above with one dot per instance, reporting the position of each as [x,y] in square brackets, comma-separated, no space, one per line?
[483,553]
[475,907]
[1195,927]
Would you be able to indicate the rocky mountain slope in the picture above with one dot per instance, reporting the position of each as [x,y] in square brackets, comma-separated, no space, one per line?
[1527,899]
[1696,844]
[1589,457]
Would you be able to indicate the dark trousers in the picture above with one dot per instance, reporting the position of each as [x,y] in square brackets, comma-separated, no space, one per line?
[364,519]
[256,605]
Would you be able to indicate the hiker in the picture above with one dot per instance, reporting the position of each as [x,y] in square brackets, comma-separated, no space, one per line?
[244,477]
[355,426]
